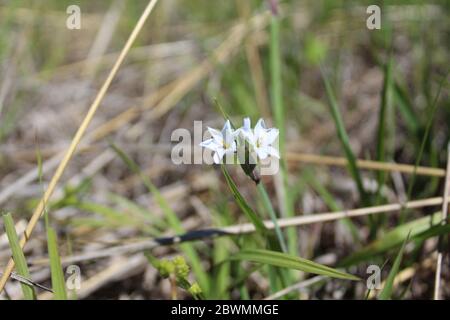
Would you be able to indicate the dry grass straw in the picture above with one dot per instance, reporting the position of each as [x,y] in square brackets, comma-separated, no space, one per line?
[365,164]
[437,282]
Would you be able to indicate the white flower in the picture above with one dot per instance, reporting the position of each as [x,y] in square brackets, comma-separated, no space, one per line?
[222,143]
[260,138]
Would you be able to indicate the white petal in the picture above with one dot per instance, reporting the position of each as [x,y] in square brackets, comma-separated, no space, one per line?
[273,152]
[228,137]
[252,141]
[245,131]
[262,153]
[218,155]
[216,135]
[260,127]
[271,135]
[228,151]
[226,127]
[220,152]
[248,136]
[247,124]
[235,133]
[233,146]
[216,158]
[209,144]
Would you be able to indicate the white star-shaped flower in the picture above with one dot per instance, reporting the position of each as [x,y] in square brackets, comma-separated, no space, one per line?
[260,138]
[222,142]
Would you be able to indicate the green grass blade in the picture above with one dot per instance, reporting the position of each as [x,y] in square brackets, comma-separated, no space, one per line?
[113,218]
[343,137]
[406,109]
[108,213]
[222,276]
[386,292]
[385,139]
[137,211]
[273,217]
[57,274]
[248,211]
[56,270]
[18,256]
[284,260]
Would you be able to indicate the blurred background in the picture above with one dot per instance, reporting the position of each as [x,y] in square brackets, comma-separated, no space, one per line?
[388,85]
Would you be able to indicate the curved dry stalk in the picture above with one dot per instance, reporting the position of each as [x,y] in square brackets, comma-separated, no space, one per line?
[78,135]
[364,164]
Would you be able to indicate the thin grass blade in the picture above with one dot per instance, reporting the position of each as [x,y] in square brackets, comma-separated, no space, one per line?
[57,274]
[343,137]
[245,207]
[284,260]
[386,292]
[18,256]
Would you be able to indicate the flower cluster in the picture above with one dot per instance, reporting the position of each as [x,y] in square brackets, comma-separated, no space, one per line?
[177,267]
[178,270]
[227,141]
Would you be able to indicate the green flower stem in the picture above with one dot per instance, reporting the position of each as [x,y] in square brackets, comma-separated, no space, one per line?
[269,208]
